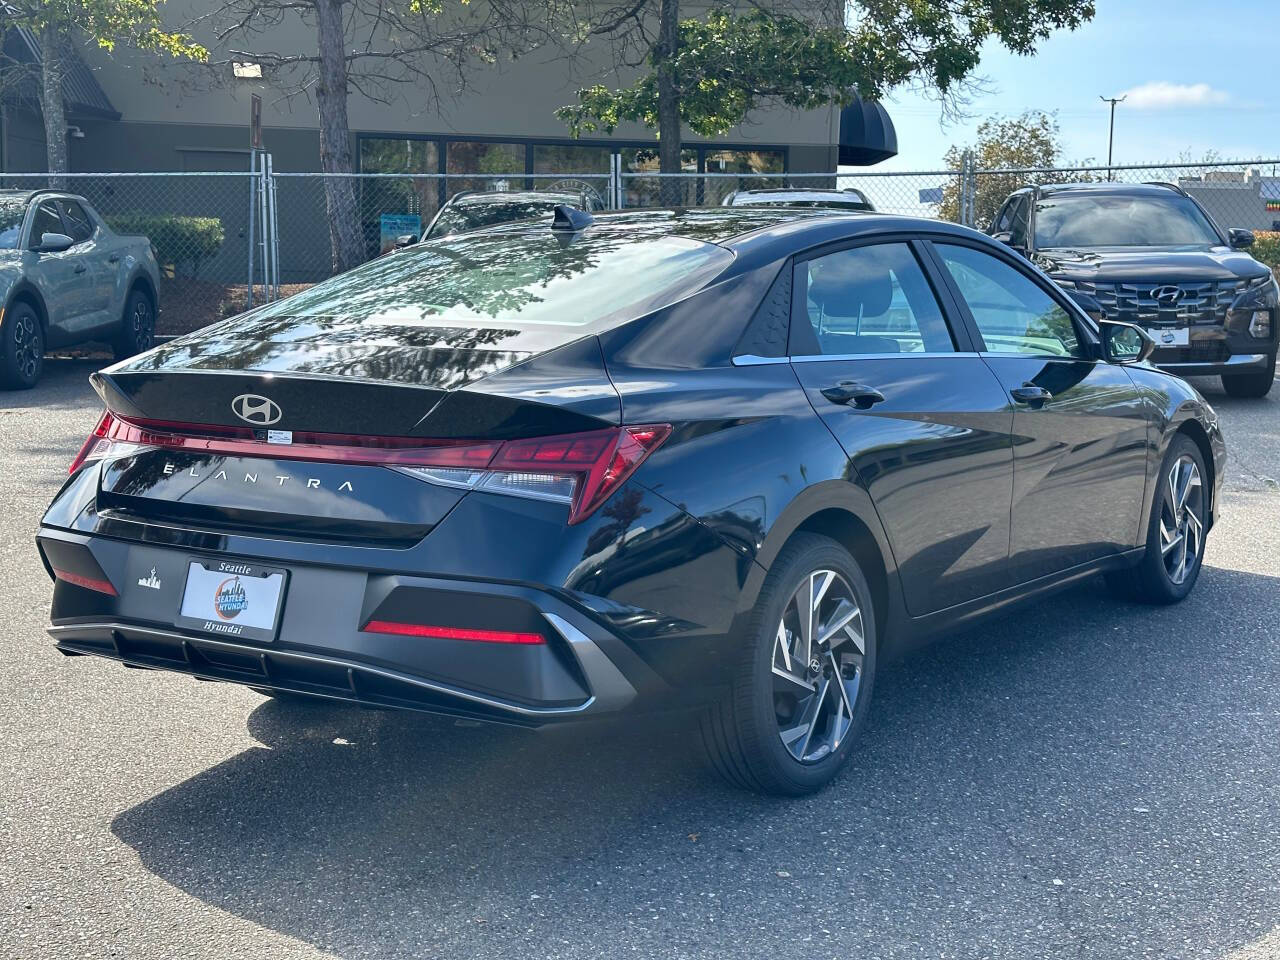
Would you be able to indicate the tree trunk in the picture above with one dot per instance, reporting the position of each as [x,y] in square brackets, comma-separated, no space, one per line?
[672,191]
[52,106]
[345,239]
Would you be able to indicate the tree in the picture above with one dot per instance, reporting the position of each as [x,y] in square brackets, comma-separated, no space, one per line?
[1030,141]
[710,72]
[374,47]
[62,24]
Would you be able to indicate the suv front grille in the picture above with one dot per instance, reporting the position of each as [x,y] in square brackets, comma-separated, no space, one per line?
[1200,304]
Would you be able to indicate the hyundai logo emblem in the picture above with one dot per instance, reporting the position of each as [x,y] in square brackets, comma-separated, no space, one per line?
[257,410]
[1167,296]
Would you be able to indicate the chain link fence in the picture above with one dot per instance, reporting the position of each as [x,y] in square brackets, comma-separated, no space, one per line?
[226,240]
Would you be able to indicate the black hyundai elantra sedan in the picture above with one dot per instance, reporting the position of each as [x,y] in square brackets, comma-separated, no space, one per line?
[717,460]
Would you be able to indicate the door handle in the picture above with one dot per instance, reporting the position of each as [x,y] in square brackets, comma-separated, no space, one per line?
[81,268]
[1030,394]
[848,392]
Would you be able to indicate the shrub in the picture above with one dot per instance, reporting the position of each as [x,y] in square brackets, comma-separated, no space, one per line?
[176,240]
[1266,248]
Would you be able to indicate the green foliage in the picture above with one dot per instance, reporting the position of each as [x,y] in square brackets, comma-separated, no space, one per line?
[724,67]
[176,240]
[1026,142]
[725,64]
[105,23]
[1266,248]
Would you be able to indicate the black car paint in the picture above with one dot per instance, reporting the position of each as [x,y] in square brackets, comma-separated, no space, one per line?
[955,500]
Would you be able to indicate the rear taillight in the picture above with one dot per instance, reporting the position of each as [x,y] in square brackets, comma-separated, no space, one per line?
[114,437]
[88,451]
[580,469]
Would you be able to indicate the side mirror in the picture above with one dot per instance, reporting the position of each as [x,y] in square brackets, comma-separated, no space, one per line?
[405,240]
[1005,237]
[53,243]
[1089,304]
[1239,238]
[1124,342]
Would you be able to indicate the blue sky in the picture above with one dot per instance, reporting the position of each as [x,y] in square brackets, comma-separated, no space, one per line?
[1199,76]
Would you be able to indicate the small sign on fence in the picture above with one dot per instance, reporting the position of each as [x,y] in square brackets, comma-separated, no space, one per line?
[255,122]
[392,225]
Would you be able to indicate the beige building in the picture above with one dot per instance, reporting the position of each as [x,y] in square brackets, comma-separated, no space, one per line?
[130,112]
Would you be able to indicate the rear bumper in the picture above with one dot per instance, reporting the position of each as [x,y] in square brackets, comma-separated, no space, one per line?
[582,670]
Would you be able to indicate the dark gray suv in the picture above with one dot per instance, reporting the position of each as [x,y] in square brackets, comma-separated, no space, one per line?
[1150,255]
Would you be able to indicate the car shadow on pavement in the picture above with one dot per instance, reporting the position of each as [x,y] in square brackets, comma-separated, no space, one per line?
[1087,776]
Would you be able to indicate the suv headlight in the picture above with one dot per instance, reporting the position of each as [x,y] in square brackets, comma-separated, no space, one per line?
[1254,307]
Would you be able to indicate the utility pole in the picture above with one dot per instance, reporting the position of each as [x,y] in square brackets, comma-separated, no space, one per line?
[1111,136]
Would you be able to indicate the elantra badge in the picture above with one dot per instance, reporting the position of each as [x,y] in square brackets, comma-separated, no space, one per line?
[255,409]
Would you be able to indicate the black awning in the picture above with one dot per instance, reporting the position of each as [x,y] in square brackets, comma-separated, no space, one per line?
[80,90]
[866,134]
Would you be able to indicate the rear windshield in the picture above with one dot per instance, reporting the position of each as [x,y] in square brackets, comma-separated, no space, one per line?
[11,212]
[458,219]
[1064,220]
[516,276]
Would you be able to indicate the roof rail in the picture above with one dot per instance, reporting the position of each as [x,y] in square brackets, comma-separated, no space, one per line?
[1164,183]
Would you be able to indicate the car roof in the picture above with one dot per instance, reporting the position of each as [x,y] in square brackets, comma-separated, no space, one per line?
[483,197]
[754,233]
[29,194]
[1116,189]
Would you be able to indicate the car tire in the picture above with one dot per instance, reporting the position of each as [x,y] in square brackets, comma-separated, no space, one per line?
[1251,386]
[137,326]
[1166,573]
[750,736]
[21,347]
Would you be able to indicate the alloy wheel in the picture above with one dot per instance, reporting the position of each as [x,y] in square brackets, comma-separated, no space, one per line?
[1181,523]
[27,346]
[141,322]
[818,655]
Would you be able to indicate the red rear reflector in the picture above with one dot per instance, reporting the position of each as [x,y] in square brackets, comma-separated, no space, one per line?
[89,583]
[452,633]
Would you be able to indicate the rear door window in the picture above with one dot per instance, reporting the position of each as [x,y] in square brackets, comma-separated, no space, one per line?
[868,300]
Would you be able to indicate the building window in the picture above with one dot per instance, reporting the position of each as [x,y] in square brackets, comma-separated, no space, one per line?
[571,160]
[397,196]
[470,156]
[641,191]
[740,161]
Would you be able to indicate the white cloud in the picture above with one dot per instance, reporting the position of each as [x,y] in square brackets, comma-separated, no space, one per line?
[1160,95]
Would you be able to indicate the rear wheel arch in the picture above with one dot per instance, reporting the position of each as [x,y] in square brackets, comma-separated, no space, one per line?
[842,512]
[142,282]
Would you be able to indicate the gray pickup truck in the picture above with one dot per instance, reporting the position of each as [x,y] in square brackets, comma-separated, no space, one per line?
[65,278]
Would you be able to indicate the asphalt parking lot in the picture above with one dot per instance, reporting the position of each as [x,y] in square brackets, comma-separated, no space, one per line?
[1089,778]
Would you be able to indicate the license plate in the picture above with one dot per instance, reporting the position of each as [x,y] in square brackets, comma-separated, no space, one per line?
[1178,337]
[232,599]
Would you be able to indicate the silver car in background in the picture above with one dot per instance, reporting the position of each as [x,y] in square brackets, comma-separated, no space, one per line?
[848,198]
[65,278]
